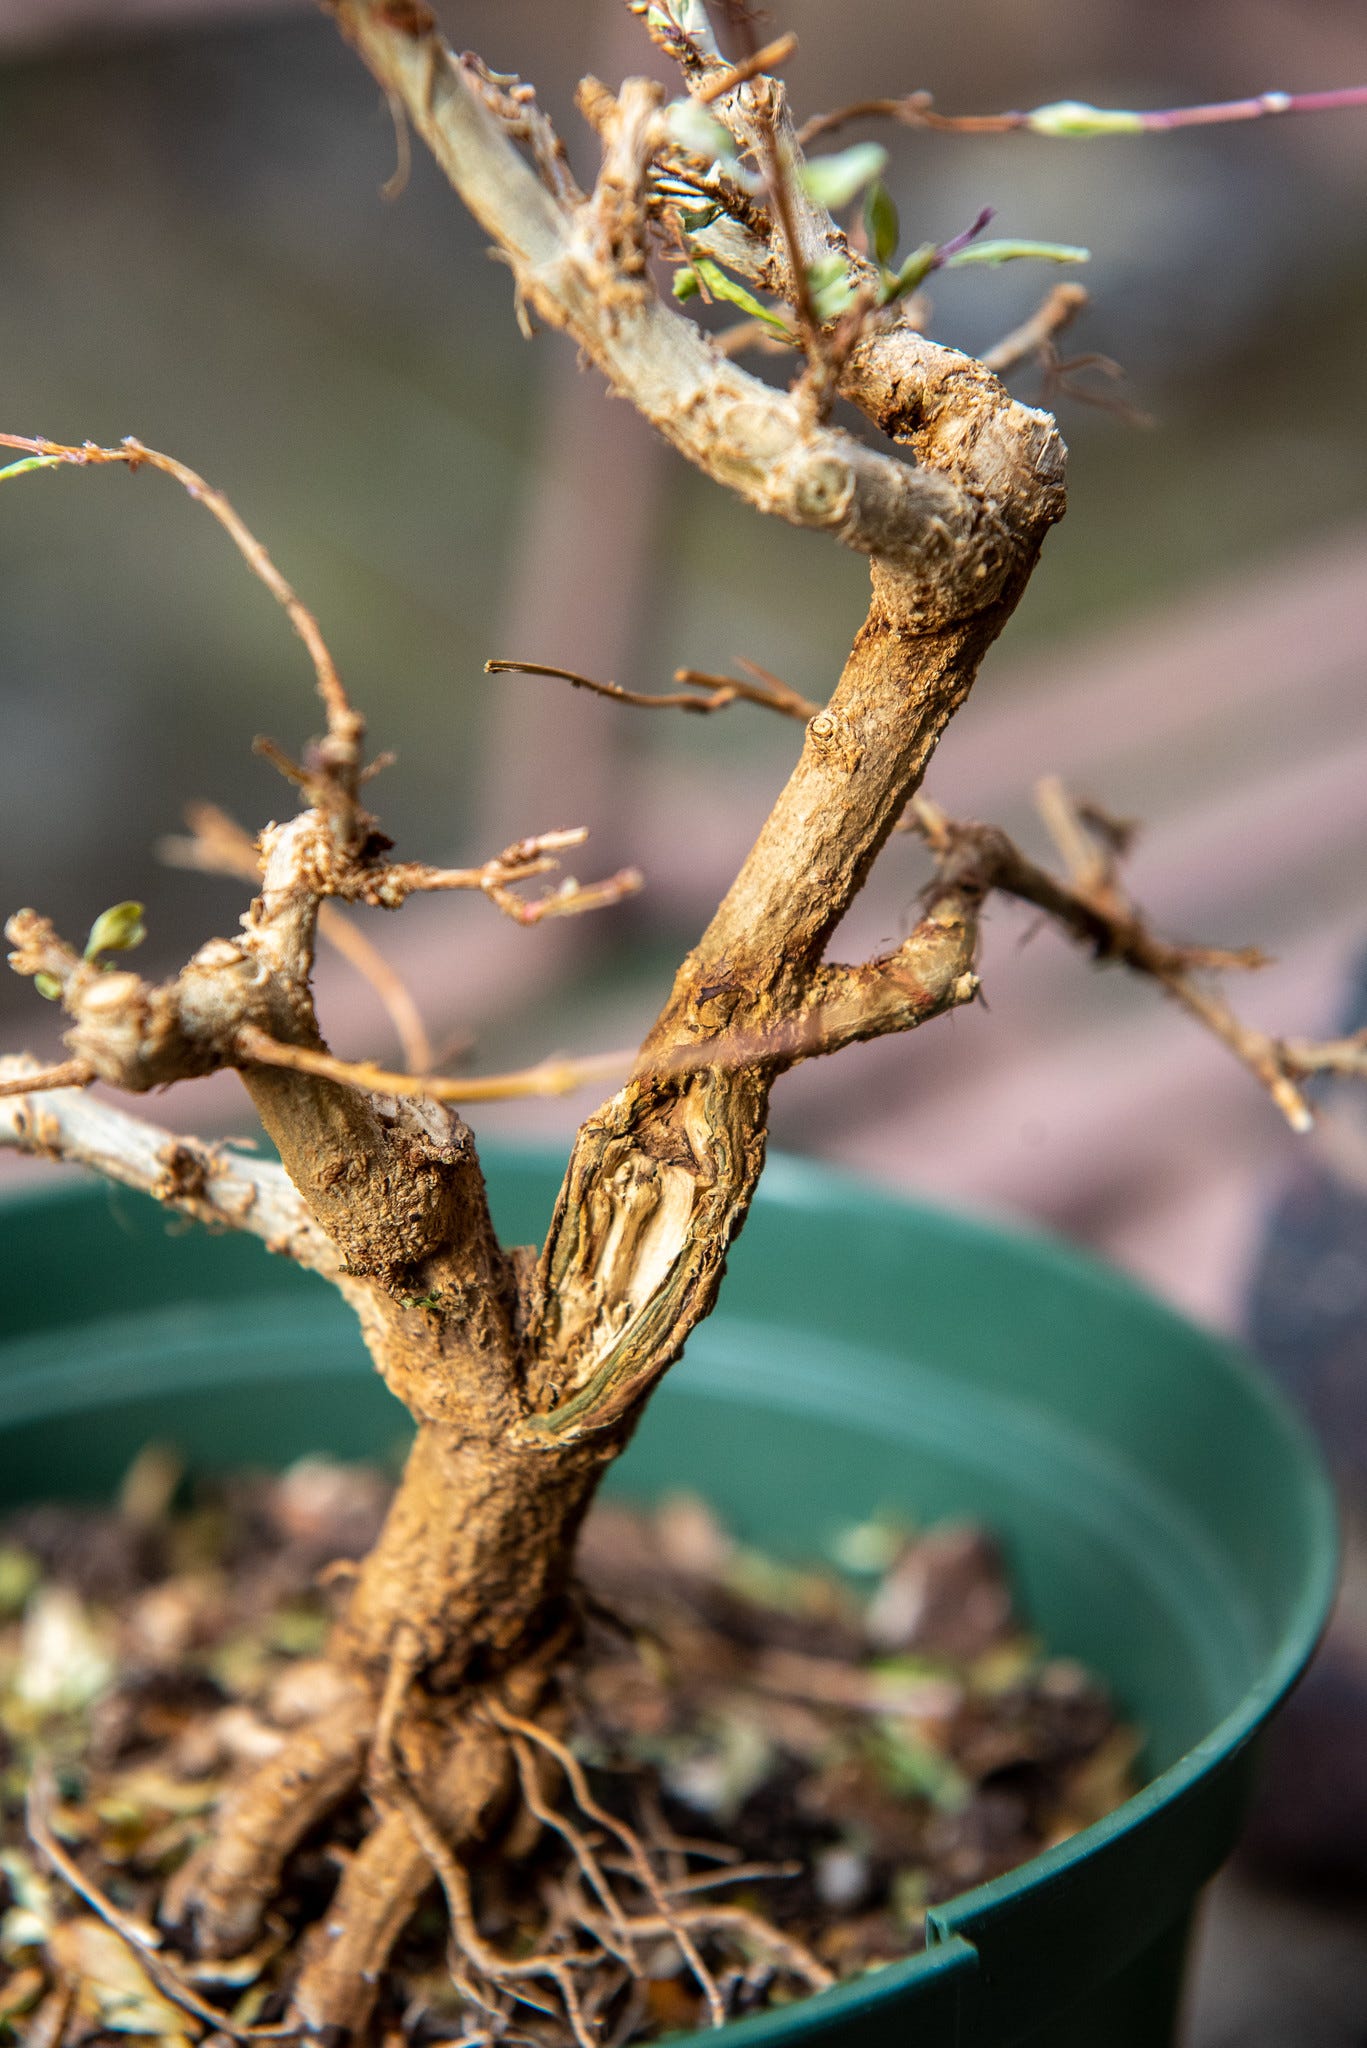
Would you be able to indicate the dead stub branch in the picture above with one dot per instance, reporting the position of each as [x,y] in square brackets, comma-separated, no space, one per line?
[1091,907]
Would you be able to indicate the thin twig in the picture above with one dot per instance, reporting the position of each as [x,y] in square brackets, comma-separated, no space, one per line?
[1093,910]
[1070,118]
[719,691]
[680,700]
[767,690]
[775,171]
[548,1077]
[70,1074]
[1057,310]
[343,720]
[768,59]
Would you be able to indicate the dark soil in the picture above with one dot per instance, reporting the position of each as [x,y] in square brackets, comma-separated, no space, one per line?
[837,1750]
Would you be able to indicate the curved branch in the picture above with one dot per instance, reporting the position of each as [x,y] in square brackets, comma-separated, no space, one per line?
[132,455]
[758,442]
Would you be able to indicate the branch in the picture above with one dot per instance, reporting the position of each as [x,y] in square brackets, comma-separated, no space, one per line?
[387,884]
[1092,910]
[339,762]
[767,689]
[32,1080]
[548,1077]
[755,440]
[209,1182]
[218,845]
[719,691]
[1057,310]
[1074,118]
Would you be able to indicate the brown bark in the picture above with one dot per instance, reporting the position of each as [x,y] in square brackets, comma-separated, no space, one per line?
[526,1378]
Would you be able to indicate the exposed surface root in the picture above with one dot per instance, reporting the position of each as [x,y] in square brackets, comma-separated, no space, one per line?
[750,1784]
[220,1895]
[382,1884]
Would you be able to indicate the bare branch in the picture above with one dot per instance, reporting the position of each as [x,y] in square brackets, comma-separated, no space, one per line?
[1092,910]
[1070,118]
[345,724]
[719,691]
[767,689]
[213,1184]
[929,973]
[548,1077]
[681,700]
[385,885]
[1057,310]
[70,1074]
[768,59]
[218,845]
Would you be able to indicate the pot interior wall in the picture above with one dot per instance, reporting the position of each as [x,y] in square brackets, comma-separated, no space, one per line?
[869,1356]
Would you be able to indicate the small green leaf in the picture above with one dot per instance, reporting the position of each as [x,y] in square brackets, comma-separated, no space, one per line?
[116,930]
[714,279]
[48,987]
[1075,117]
[1013,252]
[686,284]
[881,222]
[833,181]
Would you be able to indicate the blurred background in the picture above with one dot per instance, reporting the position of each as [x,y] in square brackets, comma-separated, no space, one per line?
[194,248]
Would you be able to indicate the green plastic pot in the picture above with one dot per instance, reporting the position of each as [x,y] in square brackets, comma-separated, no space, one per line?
[1166,1519]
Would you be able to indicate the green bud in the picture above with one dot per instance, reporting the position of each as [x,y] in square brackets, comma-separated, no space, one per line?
[1014,252]
[1075,117]
[833,181]
[686,284]
[116,930]
[48,987]
[881,222]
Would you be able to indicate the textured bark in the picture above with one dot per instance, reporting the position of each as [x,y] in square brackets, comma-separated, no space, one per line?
[526,1375]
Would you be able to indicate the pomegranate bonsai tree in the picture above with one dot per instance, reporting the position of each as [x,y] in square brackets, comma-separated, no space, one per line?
[526,1369]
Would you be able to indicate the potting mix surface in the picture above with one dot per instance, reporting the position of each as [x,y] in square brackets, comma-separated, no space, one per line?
[811,1756]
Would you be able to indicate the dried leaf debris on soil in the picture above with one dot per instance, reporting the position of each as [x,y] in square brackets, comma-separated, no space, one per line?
[836,1747]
